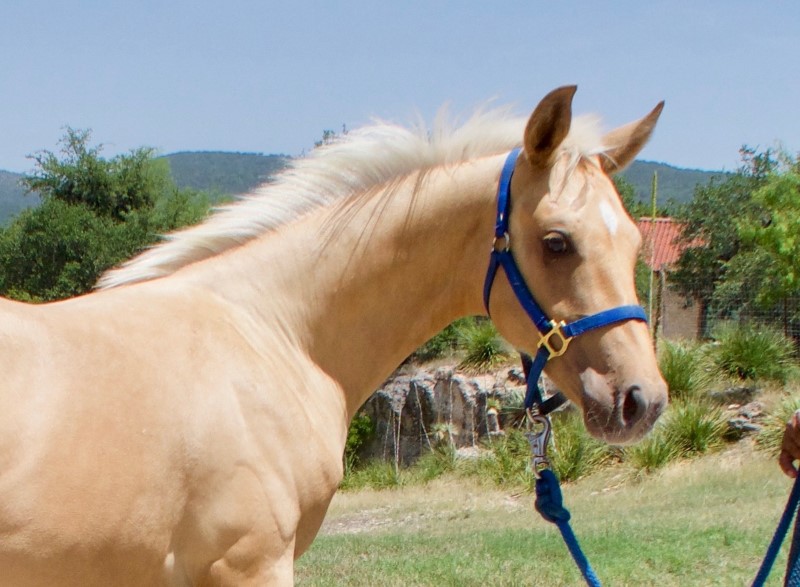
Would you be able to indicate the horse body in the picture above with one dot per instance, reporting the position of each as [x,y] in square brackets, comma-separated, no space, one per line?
[189,430]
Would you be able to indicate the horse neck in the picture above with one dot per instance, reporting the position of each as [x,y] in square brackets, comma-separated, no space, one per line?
[364,283]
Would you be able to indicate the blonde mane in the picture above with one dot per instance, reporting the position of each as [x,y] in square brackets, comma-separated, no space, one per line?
[364,158]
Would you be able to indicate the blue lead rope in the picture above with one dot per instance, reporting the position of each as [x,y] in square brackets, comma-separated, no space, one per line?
[792,568]
[549,505]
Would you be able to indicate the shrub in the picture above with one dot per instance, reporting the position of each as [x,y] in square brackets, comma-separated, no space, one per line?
[686,368]
[748,352]
[360,431]
[689,428]
[483,347]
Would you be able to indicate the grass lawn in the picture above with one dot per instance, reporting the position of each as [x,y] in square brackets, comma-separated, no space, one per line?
[701,522]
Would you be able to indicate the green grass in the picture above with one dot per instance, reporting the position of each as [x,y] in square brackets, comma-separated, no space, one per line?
[696,523]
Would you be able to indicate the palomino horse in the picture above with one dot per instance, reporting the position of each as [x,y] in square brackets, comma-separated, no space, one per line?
[185,424]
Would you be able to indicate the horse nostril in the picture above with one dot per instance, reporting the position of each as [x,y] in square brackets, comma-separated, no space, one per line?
[633,406]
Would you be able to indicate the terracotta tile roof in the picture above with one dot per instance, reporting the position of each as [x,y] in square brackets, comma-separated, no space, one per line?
[660,242]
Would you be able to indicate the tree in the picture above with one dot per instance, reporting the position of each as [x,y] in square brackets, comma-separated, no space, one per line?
[771,241]
[113,187]
[627,194]
[706,272]
[95,213]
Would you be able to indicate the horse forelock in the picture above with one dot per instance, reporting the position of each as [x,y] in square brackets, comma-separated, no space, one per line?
[361,159]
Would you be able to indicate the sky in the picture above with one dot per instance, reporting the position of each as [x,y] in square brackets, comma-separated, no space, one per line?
[269,77]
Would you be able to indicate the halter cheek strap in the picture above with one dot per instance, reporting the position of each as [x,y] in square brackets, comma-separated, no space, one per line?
[554,336]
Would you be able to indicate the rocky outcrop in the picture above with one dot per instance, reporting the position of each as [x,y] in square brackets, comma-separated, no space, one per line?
[414,411]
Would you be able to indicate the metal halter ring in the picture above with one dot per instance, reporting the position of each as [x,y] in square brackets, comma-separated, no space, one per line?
[507,238]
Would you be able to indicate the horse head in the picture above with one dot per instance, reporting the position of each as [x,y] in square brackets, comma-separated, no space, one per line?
[576,248]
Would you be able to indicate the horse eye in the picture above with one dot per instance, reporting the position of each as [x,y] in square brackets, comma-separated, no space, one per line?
[556,243]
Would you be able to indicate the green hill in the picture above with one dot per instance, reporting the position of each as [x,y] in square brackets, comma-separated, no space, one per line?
[13,198]
[228,174]
[674,183]
[224,173]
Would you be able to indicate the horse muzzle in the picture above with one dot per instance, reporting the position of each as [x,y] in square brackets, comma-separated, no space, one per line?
[621,414]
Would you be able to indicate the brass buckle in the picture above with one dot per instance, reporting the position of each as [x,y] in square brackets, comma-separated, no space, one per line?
[555,330]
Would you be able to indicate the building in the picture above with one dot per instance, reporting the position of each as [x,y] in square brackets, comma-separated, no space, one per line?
[669,313]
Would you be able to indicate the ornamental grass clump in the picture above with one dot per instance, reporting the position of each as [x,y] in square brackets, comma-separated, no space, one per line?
[652,453]
[754,353]
[686,368]
[695,428]
[688,428]
[484,349]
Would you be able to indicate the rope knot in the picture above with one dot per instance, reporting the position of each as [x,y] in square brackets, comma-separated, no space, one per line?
[548,498]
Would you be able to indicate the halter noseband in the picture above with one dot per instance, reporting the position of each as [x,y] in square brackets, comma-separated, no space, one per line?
[554,336]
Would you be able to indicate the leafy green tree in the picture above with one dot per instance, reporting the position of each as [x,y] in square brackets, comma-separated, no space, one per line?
[57,250]
[110,187]
[95,213]
[771,240]
[706,272]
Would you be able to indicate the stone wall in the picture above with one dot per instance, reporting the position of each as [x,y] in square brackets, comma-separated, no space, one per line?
[413,411]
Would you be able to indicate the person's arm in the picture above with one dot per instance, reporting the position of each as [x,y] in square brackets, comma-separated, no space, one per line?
[790,447]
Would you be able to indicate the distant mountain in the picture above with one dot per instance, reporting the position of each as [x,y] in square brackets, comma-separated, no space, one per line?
[13,198]
[228,174]
[674,183]
[224,173]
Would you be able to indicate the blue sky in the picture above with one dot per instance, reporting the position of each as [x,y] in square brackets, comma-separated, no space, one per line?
[261,76]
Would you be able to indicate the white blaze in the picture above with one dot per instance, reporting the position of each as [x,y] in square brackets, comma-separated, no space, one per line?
[609,217]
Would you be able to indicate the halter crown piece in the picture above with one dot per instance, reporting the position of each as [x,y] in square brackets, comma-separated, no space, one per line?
[554,336]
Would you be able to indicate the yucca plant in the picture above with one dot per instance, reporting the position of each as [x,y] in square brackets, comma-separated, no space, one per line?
[443,344]
[484,349]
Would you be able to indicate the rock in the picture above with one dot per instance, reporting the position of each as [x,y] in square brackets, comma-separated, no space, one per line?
[414,411]
[735,395]
[745,419]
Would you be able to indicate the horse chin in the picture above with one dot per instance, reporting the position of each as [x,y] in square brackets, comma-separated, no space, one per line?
[619,435]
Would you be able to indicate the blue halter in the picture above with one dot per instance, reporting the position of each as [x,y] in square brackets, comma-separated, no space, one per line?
[555,336]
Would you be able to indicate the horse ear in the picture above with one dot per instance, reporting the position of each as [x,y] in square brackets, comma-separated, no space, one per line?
[624,143]
[548,126]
